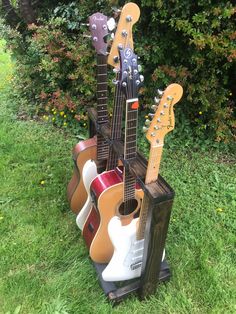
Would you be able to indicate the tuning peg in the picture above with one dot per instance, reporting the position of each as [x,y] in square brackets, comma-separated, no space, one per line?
[111,24]
[128,18]
[116,10]
[145,129]
[169,97]
[141,77]
[147,122]
[115,82]
[151,115]
[157,100]
[138,82]
[87,36]
[84,24]
[160,92]
[139,68]
[116,59]
[154,107]
[115,70]
[124,33]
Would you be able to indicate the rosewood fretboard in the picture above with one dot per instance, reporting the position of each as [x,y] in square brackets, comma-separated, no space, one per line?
[130,150]
[102,113]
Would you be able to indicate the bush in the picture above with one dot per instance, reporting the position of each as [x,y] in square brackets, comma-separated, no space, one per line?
[191,43]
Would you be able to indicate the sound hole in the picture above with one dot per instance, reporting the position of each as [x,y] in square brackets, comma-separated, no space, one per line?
[128,208]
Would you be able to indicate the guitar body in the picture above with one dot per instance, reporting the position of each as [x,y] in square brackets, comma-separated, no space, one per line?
[107,190]
[76,191]
[89,174]
[127,259]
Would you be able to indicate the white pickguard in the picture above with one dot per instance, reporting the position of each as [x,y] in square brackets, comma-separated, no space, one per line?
[127,258]
[88,174]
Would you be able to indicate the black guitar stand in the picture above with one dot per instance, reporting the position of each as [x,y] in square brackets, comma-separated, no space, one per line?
[160,196]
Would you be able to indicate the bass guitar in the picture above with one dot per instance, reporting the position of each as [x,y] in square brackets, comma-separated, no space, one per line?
[123,37]
[94,148]
[115,192]
[128,241]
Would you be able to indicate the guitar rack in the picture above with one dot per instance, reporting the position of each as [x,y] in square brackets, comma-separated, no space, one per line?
[160,196]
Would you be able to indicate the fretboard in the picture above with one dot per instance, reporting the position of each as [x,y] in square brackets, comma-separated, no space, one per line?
[151,176]
[116,126]
[102,113]
[130,147]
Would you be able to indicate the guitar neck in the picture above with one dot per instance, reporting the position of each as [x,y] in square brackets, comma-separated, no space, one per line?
[116,126]
[130,147]
[102,113]
[151,176]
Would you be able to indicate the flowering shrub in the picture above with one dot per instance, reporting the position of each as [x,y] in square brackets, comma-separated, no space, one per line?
[189,42]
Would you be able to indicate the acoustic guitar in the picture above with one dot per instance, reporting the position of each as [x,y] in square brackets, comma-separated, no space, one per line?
[128,241]
[95,148]
[115,192]
[123,38]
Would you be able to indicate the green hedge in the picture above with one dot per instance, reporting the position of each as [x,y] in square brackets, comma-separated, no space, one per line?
[189,42]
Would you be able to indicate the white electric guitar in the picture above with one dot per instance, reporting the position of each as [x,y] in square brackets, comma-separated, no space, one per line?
[128,241]
[123,37]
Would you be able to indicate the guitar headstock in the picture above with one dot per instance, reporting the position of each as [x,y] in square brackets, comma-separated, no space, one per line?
[123,37]
[163,121]
[99,30]
[129,78]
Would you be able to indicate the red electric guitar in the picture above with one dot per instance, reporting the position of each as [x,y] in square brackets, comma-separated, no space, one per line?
[115,192]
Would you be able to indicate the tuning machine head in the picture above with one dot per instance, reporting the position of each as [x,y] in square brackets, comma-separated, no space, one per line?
[111,24]
[147,122]
[145,129]
[160,92]
[154,107]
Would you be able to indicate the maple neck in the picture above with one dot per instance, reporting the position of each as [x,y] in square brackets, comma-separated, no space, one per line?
[102,113]
[151,176]
[130,148]
[116,126]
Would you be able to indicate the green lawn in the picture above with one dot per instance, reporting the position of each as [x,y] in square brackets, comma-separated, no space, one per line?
[44,264]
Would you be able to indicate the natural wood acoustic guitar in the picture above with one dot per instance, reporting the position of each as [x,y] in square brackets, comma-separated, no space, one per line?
[95,148]
[115,192]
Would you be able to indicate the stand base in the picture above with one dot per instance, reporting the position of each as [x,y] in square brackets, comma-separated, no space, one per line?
[117,291]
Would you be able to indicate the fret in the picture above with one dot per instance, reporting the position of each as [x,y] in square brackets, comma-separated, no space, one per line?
[102,65]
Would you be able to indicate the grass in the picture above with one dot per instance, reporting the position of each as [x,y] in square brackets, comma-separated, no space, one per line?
[44,264]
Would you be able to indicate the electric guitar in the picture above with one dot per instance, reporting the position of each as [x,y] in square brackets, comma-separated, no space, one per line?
[123,38]
[115,192]
[94,148]
[128,241]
